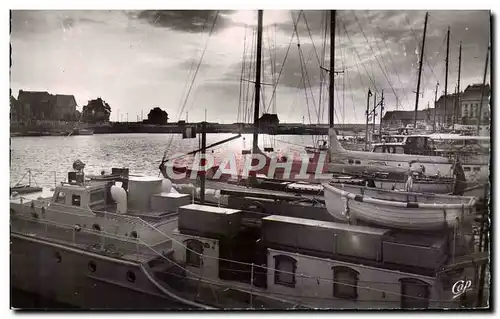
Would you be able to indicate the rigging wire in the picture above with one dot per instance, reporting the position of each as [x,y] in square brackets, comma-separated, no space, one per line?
[324,21]
[192,83]
[312,40]
[375,56]
[395,70]
[169,143]
[304,72]
[360,60]
[240,99]
[292,108]
[200,61]
[286,54]
[419,41]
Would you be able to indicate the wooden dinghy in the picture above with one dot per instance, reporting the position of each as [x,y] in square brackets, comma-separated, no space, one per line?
[397,209]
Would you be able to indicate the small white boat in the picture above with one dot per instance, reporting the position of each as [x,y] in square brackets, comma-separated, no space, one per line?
[477,190]
[397,209]
[83,131]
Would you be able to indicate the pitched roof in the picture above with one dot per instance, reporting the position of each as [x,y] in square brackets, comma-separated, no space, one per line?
[33,97]
[65,100]
[474,90]
[406,115]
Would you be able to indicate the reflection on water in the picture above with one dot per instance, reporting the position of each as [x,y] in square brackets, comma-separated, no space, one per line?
[141,153]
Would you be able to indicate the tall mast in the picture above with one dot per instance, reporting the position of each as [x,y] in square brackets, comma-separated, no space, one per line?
[420,70]
[482,90]
[459,106]
[332,70]
[445,121]
[435,105]
[367,115]
[257,83]
[381,113]
[455,101]
[374,109]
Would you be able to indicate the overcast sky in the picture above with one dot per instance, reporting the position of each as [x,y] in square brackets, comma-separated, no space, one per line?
[136,60]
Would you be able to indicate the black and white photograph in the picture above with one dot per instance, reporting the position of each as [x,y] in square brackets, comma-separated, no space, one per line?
[250,159]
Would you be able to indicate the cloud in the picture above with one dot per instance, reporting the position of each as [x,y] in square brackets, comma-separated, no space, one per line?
[185,20]
[134,63]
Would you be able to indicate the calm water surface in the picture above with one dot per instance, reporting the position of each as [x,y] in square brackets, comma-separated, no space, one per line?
[47,156]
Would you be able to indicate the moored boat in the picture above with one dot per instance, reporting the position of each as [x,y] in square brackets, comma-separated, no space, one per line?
[139,244]
[406,210]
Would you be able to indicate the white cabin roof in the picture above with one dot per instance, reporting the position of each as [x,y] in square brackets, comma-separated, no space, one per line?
[325,224]
[211,209]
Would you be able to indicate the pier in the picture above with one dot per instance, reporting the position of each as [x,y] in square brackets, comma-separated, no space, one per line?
[180,127]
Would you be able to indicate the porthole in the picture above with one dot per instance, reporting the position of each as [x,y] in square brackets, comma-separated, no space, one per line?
[130,276]
[92,266]
[96,227]
[78,227]
[58,257]
[133,234]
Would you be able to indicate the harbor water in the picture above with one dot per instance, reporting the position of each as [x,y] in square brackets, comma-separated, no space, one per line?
[51,157]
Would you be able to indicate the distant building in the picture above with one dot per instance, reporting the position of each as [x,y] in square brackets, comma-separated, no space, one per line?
[268,120]
[453,112]
[44,106]
[65,107]
[404,118]
[34,105]
[470,104]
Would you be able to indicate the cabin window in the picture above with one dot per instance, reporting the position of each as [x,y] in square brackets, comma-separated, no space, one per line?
[414,293]
[130,276]
[466,168]
[96,196]
[350,161]
[379,149]
[477,169]
[358,162]
[75,200]
[345,284]
[61,198]
[284,273]
[194,250]
[92,266]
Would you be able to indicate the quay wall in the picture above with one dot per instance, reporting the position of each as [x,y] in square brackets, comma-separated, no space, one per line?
[63,128]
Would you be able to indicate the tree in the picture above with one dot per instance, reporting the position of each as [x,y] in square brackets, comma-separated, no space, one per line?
[157,116]
[96,111]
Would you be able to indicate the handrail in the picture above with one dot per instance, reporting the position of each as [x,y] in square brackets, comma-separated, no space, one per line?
[136,221]
[170,294]
[86,230]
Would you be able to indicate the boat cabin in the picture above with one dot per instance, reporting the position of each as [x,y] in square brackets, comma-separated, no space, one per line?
[92,196]
[404,144]
[313,263]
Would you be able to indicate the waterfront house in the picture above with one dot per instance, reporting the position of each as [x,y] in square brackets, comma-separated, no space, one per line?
[404,118]
[65,107]
[452,113]
[34,105]
[470,102]
[43,106]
